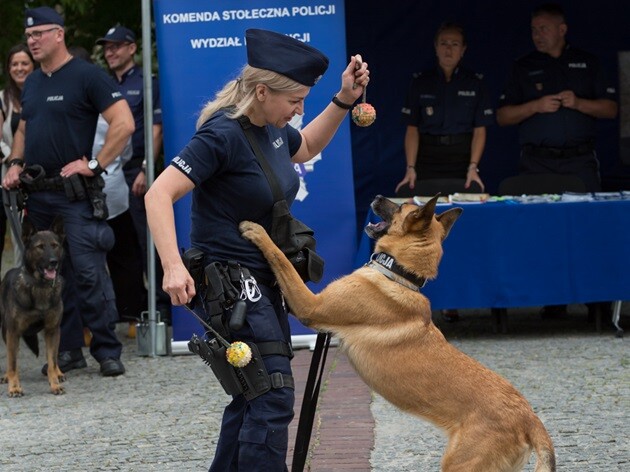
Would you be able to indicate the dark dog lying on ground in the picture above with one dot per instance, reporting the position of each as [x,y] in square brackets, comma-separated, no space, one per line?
[30,301]
[384,324]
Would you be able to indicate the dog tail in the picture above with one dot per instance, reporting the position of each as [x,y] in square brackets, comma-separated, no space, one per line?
[32,343]
[542,444]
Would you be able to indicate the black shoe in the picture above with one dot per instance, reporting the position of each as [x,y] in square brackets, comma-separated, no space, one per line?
[112,367]
[450,315]
[68,360]
[553,312]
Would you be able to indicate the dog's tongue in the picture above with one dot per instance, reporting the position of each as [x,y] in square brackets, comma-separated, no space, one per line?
[50,274]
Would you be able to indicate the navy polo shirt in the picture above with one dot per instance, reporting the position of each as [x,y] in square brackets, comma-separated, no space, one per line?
[61,112]
[132,87]
[230,185]
[536,75]
[439,107]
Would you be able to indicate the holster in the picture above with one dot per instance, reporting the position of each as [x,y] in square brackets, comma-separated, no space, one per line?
[98,199]
[218,288]
[252,380]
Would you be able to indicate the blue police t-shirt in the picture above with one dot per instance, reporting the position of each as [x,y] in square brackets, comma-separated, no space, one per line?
[439,107]
[132,87]
[230,185]
[61,111]
[536,75]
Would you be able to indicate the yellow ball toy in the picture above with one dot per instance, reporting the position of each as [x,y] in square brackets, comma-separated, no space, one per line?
[363,114]
[238,354]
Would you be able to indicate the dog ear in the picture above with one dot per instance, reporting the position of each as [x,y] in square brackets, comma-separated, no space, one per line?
[57,227]
[421,217]
[429,207]
[448,218]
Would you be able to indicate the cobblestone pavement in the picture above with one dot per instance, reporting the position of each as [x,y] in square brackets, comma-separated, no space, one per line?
[164,413]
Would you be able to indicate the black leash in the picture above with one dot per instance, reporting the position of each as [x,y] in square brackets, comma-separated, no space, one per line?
[12,210]
[309,402]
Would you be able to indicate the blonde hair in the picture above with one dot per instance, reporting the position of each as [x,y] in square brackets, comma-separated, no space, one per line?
[240,93]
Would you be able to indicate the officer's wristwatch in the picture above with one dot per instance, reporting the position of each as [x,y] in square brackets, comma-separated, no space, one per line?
[95,167]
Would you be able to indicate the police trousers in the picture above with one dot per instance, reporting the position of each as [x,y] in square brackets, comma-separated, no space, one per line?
[436,161]
[585,166]
[88,296]
[255,434]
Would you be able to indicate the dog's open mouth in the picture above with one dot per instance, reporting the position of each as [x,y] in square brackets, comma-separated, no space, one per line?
[50,273]
[376,230]
[385,209]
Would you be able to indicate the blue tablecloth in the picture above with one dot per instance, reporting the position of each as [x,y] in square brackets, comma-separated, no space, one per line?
[503,254]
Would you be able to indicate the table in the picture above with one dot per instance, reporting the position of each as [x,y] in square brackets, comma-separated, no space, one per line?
[507,254]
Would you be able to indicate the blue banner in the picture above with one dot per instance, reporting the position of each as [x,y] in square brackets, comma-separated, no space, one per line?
[201,45]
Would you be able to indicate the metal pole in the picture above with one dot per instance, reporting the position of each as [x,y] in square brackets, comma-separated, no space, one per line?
[150,172]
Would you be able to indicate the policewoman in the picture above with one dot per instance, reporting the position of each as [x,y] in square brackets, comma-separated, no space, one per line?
[228,186]
[446,111]
[555,94]
[61,102]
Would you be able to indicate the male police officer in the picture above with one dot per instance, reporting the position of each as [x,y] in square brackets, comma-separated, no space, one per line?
[555,94]
[61,102]
[119,47]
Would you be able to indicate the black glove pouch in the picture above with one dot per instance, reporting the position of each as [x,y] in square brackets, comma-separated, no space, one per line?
[297,242]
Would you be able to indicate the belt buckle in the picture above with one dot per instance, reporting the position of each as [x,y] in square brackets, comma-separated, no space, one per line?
[444,140]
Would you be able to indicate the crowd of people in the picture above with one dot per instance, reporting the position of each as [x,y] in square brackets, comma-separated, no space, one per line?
[554,95]
[93,137]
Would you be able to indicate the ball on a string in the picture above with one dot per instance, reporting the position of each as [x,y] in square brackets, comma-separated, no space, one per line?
[363,114]
[238,354]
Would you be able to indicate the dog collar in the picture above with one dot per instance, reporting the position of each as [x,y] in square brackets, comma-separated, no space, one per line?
[388,266]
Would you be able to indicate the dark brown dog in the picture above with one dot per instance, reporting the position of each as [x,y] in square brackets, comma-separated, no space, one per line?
[384,324]
[30,301]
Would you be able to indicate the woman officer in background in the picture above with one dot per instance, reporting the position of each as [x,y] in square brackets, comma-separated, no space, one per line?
[447,111]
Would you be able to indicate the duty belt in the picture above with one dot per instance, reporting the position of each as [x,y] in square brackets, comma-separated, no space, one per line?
[445,139]
[557,152]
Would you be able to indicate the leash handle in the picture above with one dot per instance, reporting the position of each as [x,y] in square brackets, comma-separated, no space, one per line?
[309,402]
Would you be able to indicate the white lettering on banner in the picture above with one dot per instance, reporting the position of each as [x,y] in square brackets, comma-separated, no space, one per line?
[252,14]
[199,43]
[191,17]
[255,13]
[313,10]
[304,37]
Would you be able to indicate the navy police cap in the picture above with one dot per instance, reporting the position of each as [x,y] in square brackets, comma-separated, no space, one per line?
[285,55]
[118,34]
[42,16]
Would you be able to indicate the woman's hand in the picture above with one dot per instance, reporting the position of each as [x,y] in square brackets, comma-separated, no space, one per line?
[473,176]
[354,80]
[410,179]
[178,284]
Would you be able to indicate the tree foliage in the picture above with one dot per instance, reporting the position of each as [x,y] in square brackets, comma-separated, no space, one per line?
[85,22]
